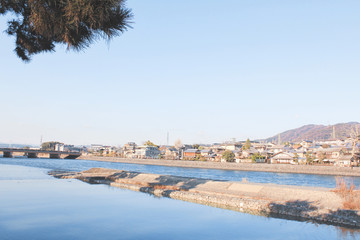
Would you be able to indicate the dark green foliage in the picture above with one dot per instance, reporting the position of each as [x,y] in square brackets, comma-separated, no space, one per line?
[247,145]
[149,143]
[229,156]
[257,156]
[196,146]
[40,24]
[49,146]
[309,158]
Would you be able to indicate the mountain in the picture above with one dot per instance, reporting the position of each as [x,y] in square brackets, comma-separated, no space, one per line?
[315,132]
[14,145]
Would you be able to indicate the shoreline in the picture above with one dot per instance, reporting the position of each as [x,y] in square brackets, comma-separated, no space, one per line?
[255,167]
[319,205]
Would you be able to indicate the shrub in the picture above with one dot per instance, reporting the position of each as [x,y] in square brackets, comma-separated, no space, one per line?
[351,196]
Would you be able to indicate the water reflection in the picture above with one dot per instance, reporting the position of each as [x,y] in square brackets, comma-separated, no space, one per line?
[344,233]
[34,206]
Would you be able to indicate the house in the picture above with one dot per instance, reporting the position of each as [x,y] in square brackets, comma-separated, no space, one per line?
[59,147]
[217,151]
[128,150]
[95,147]
[231,146]
[344,161]
[147,152]
[276,149]
[336,142]
[296,146]
[163,149]
[300,153]
[211,157]
[206,152]
[238,155]
[191,153]
[171,153]
[261,147]
[306,144]
[108,150]
[328,154]
[208,155]
[72,148]
[283,157]
[299,148]
[246,154]
[243,160]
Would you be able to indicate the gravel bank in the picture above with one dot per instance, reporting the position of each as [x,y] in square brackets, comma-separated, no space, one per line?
[300,203]
[259,167]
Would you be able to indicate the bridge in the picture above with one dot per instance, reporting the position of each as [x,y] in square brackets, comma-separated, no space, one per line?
[34,153]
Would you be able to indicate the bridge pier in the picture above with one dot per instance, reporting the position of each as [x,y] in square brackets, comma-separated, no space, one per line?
[54,155]
[32,155]
[7,154]
[71,156]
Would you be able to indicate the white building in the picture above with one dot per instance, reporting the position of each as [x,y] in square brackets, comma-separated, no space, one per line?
[147,152]
[283,157]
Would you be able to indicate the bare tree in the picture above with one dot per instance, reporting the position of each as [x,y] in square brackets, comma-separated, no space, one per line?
[178,144]
[355,140]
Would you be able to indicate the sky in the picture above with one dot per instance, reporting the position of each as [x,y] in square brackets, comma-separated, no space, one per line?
[202,71]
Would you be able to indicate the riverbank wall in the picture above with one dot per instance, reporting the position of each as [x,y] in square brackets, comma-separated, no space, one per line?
[319,205]
[258,167]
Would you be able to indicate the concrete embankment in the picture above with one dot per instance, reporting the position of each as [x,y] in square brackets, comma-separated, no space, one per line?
[259,167]
[301,203]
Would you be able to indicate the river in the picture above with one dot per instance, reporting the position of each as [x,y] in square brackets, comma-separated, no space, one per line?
[258,177]
[37,206]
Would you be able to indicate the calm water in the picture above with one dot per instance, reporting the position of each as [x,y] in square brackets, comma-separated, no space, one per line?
[259,177]
[34,205]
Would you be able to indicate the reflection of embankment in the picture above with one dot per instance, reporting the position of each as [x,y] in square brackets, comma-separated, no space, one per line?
[299,203]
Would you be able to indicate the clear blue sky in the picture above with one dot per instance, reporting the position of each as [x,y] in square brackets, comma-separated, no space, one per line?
[204,71]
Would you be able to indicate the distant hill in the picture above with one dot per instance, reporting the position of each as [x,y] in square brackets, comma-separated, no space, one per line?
[14,145]
[315,132]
